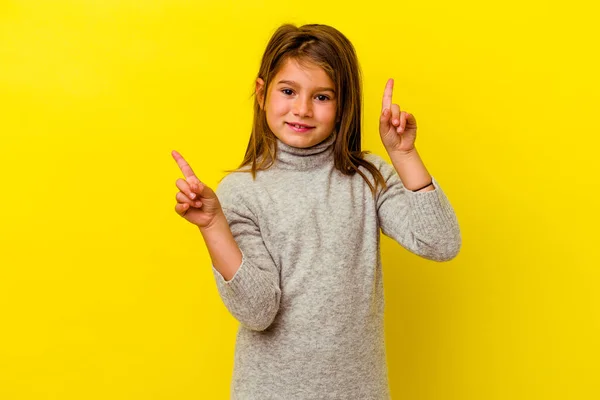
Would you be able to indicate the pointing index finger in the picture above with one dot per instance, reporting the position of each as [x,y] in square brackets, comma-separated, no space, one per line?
[387,95]
[184,166]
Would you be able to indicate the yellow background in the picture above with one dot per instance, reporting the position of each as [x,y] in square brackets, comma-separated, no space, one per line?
[105,293]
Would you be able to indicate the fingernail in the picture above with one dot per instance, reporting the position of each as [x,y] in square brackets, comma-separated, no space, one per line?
[192,195]
[198,204]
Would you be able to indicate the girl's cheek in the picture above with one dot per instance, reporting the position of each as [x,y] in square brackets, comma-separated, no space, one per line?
[327,113]
[280,108]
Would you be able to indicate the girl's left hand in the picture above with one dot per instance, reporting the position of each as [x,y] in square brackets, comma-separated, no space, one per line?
[398,130]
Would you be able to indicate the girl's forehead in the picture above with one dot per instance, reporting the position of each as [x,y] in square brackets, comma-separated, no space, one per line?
[303,73]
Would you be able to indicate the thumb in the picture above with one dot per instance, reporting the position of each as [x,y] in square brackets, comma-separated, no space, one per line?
[203,190]
[384,121]
[196,186]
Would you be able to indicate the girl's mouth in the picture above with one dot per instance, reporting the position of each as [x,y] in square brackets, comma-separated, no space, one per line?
[299,127]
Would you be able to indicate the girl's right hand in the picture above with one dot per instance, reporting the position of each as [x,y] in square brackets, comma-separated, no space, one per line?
[196,202]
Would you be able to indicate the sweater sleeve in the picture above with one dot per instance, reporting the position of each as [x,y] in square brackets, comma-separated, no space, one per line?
[422,222]
[252,296]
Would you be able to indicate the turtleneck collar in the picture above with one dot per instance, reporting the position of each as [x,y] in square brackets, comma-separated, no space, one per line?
[289,157]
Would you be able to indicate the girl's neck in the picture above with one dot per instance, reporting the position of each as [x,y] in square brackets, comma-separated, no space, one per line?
[289,157]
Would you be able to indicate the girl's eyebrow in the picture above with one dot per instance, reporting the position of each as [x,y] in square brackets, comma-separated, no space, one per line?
[319,89]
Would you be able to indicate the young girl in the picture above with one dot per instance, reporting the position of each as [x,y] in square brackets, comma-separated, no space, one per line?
[293,234]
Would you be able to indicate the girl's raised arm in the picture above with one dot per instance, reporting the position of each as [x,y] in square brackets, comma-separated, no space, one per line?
[199,204]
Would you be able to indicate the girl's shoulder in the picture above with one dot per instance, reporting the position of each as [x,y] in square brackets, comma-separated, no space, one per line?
[374,159]
[383,167]
[235,186]
[380,163]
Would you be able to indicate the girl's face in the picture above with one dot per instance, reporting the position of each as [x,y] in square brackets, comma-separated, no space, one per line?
[301,104]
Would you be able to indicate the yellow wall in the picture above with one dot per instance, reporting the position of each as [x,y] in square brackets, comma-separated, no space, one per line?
[105,293]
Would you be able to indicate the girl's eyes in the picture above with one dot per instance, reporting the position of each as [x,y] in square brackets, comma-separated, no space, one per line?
[289,92]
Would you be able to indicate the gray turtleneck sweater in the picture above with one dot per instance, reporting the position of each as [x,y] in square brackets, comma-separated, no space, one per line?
[309,292]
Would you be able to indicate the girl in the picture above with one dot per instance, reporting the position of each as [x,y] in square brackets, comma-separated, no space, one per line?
[293,234]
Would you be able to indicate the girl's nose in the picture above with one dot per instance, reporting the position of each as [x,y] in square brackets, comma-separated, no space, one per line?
[303,107]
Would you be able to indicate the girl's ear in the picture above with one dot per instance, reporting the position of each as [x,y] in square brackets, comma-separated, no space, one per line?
[260,84]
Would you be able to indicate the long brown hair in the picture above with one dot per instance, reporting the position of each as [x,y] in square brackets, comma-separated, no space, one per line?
[329,49]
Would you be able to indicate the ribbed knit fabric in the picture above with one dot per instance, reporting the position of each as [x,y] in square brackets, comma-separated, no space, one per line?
[309,292]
